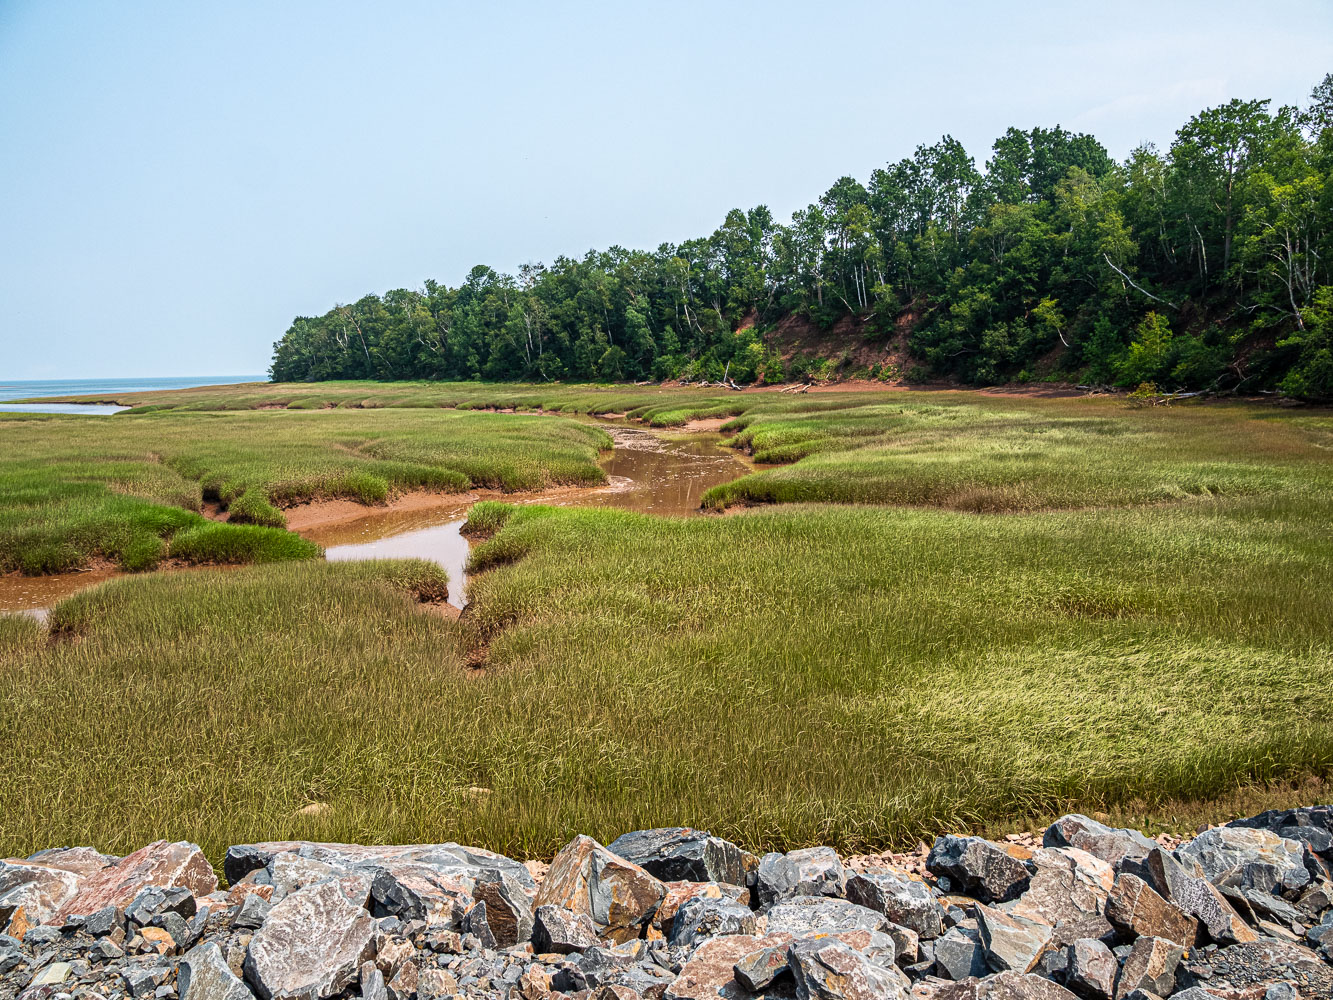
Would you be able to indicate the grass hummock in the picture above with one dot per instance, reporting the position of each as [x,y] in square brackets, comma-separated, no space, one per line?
[954,611]
[128,488]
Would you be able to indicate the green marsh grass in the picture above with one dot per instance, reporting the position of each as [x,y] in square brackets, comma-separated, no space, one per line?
[1027,607]
[851,675]
[129,488]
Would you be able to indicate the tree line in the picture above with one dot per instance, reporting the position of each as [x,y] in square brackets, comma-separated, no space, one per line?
[1208,265]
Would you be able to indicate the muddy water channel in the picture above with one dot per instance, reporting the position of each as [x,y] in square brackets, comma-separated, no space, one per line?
[655,474]
[664,473]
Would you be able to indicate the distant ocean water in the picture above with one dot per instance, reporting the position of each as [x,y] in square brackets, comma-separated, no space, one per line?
[24,389]
[11,389]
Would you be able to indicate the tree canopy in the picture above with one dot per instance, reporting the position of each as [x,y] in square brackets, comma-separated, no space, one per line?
[1207,265]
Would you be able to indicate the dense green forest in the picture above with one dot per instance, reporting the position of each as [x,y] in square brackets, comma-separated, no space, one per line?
[1207,266]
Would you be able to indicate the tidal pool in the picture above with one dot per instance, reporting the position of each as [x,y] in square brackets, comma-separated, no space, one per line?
[646,472]
[654,473]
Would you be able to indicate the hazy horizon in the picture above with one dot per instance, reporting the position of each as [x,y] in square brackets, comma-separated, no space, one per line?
[182,183]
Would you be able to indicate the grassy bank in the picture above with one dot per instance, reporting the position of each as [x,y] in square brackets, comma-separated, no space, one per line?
[957,449]
[129,488]
[1035,606]
[860,676]
[991,454]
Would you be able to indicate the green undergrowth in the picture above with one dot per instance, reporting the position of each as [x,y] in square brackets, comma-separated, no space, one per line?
[130,488]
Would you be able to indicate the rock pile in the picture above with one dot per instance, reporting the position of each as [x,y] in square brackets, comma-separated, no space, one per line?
[1241,912]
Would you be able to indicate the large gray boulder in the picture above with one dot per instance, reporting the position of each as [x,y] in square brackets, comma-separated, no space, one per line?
[826,969]
[1068,885]
[1011,943]
[903,901]
[560,931]
[810,871]
[681,854]
[311,945]
[1151,966]
[1111,844]
[819,871]
[979,868]
[1195,896]
[205,975]
[1247,857]
[703,917]
[505,908]
[1311,825]
[431,882]
[757,970]
[1090,969]
[618,895]
[1138,910]
[775,879]
[807,914]
[958,954]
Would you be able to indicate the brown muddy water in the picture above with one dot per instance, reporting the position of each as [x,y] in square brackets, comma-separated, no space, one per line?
[656,473]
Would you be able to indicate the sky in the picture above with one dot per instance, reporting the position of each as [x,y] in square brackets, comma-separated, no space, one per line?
[178,181]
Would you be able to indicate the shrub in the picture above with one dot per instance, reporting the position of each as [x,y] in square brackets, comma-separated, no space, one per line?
[252,507]
[240,543]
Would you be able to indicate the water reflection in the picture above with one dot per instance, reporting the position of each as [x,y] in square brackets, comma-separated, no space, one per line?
[665,475]
[647,473]
[83,409]
[35,594]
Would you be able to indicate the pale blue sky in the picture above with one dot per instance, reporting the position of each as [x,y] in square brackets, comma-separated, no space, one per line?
[181,179]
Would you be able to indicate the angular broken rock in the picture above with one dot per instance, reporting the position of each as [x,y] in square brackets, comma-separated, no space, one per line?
[1111,844]
[775,879]
[711,968]
[1242,856]
[1196,897]
[903,901]
[1140,911]
[1311,825]
[1011,942]
[508,911]
[958,954]
[829,970]
[1151,966]
[1090,969]
[758,969]
[560,931]
[1068,885]
[806,914]
[36,891]
[678,893]
[431,882]
[819,871]
[154,901]
[204,975]
[253,912]
[160,864]
[618,895]
[311,945]
[979,868]
[677,854]
[1004,986]
[702,917]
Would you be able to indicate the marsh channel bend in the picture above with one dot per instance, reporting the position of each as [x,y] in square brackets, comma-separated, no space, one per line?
[647,472]
[656,473]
